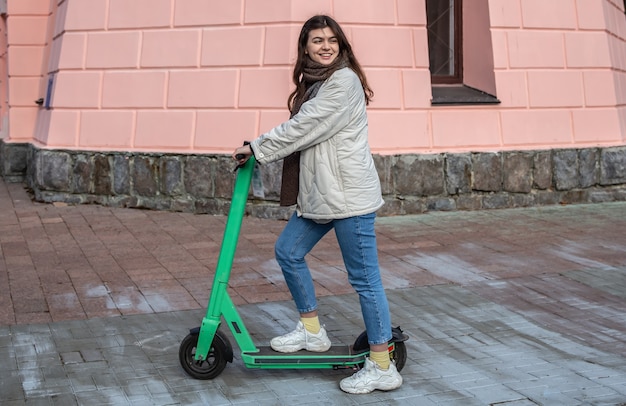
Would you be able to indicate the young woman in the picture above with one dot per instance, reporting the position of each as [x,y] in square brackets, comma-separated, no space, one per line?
[329,173]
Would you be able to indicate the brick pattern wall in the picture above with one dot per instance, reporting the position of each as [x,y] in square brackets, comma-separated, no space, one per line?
[200,76]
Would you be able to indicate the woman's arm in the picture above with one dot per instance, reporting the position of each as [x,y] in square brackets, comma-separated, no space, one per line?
[318,120]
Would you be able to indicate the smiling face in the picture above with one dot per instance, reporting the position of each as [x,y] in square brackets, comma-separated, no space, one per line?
[322,46]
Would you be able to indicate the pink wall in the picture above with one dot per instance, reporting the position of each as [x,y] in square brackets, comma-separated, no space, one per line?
[4,80]
[26,32]
[204,75]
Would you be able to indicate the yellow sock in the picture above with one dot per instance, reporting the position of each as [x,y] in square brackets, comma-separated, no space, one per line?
[311,324]
[381,358]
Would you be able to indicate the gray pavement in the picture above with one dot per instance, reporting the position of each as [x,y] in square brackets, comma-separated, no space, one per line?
[505,307]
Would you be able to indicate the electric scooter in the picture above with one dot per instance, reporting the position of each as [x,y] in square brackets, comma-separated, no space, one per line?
[204,352]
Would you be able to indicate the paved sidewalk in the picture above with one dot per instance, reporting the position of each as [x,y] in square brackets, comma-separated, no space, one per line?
[504,307]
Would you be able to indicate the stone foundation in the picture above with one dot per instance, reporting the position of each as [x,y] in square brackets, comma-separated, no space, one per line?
[412,183]
[13,161]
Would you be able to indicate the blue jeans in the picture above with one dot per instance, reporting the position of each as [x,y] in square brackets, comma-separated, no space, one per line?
[357,241]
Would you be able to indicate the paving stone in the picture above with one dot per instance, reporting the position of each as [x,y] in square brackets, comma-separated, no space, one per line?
[510,307]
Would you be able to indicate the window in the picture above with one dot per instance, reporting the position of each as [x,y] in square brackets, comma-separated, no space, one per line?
[444,40]
[460,52]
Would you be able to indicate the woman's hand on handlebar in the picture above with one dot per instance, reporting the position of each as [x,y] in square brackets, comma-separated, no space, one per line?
[242,154]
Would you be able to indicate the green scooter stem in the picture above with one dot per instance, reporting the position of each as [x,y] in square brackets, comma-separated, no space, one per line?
[219,301]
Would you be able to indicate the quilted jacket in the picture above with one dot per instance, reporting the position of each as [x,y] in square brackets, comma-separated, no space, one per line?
[338,178]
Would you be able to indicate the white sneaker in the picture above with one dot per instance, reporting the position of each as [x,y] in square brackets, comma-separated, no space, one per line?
[371,377]
[300,339]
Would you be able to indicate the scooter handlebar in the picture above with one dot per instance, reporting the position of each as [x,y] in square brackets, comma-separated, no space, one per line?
[241,156]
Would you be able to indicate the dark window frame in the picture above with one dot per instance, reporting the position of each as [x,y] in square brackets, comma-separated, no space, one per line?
[451,89]
[457,48]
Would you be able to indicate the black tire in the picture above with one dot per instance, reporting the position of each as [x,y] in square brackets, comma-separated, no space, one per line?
[219,354]
[399,354]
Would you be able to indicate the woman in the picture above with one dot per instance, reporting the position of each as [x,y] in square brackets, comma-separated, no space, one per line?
[330,174]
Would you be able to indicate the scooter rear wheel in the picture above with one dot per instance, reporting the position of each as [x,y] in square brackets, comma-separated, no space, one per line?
[398,355]
[215,361]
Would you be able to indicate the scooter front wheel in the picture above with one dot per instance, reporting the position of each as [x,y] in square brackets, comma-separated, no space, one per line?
[215,361]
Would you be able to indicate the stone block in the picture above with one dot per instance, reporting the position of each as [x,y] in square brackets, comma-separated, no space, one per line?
[589,173]
[606,195]
[13,160]
[224,177]
[121,175]
[53,170]
[547,197]
[212,206]
[271,175]
[469,202]
[613,166]
[144,176]
[496,201]
[542,170]
[160,203]
[517,170]
[152,203]
[441,204]
[94,199]
[183,205]
[458,173]
[392,206]
[171,176]
[123,201]
[101,175]
[618,193]
[419,175]
[522,200]
[565,169]
[487,172]
[270,211]
[384,164]
[199,173]
[412,206]
[575,196]
[81,174]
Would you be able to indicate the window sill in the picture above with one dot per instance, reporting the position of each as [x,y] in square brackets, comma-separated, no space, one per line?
[460,95]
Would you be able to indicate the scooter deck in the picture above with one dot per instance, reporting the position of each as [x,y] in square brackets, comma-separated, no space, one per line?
[342,356]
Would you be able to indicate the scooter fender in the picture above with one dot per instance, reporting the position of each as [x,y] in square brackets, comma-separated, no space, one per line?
[361,343]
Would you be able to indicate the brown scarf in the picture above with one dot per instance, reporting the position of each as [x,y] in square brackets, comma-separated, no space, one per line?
[314,74]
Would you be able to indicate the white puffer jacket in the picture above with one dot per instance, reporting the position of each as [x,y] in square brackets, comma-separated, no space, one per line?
[338,178]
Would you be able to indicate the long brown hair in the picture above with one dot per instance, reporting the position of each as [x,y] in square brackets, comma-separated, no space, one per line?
[314,23]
